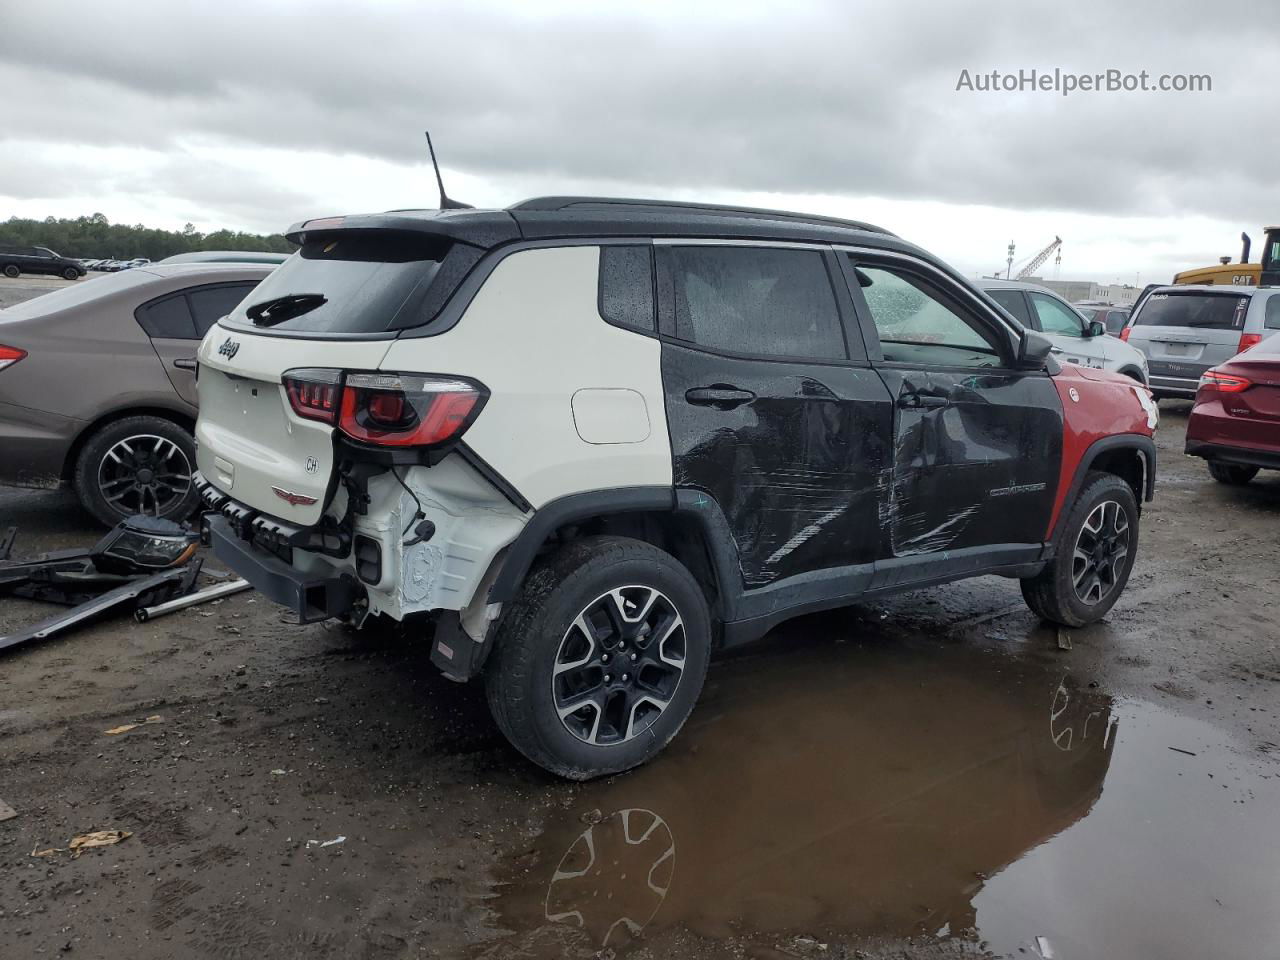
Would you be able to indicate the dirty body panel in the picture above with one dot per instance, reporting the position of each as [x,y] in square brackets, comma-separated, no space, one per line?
[798,472]
[976,468]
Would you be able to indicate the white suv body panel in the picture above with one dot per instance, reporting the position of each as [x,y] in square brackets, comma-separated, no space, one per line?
[576,404]
[534,336]
[249,440]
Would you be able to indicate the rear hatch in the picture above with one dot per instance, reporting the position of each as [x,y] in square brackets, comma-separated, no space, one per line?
[1184,333]
[337,305]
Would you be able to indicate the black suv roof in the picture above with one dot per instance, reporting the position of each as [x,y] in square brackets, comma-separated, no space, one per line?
[567,217]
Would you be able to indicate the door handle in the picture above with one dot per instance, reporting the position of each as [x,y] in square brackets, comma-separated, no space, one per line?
[921,401]
[185,364]
[718,395]
[1055,349]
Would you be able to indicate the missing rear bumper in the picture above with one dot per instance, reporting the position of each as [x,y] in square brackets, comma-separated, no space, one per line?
[311,598]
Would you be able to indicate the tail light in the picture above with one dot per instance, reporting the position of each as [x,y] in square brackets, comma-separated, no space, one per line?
[1212,380]
[314,393]
[408,409]
[10,355]
[1124,334]
[1248,340]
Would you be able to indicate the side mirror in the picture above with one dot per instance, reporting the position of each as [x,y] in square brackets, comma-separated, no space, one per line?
[1033,351]
[1095,328]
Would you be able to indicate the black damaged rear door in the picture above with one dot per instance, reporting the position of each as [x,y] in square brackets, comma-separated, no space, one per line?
[977,445]
[780,421]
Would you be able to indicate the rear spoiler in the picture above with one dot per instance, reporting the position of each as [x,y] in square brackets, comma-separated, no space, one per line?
[477,228]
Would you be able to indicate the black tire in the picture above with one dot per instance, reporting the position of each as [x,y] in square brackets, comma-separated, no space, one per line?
[520,678]
[71,273]
[1235,474]
[1052,594]
[11,271]
[159,446]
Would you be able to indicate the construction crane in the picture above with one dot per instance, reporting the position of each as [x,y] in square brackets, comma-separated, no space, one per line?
[1036,262]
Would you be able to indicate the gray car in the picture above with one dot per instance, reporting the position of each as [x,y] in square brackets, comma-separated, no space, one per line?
[1185,329]
[97,384]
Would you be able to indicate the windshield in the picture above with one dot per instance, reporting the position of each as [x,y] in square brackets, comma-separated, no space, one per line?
[1213,311]
[345,282]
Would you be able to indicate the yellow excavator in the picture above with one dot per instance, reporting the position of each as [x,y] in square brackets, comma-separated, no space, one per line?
[1265,272]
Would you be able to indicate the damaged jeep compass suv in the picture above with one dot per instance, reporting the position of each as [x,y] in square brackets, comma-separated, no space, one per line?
[594,440]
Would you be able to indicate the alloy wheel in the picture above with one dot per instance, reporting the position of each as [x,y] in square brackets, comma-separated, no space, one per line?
[618,665]
[144,474]
[1101,548]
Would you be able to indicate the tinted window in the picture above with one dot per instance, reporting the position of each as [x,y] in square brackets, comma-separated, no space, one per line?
[918,324]
[168,318]
[1272,315]
[755,301]
[1056,317]
[1116,319]
[1013,301]
[626,287]
[1216,311]
[349,282]
[211,304]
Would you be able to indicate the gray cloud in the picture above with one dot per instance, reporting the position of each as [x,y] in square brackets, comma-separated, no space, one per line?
[839,98]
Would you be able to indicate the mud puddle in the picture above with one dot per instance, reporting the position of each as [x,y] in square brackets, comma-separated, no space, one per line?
[961,798]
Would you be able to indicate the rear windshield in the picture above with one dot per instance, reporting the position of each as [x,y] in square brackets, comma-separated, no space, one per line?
[346,282]
[1213,311]
[84,291]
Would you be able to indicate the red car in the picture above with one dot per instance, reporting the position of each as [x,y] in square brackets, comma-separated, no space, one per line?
[1235,424]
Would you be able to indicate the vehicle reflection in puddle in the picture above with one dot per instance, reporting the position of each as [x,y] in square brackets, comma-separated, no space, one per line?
[890,793]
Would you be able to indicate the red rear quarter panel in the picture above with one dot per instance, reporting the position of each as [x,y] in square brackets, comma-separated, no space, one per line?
[1096,404]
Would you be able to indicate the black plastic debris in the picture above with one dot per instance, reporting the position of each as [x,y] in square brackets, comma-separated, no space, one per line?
[140,562]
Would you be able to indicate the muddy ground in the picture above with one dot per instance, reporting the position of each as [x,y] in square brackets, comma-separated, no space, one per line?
[929,776]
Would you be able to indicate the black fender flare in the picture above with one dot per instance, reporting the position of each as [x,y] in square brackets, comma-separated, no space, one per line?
[686,502]
[1139,443]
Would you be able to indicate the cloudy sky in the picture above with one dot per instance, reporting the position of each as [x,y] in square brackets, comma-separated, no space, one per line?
[256,114]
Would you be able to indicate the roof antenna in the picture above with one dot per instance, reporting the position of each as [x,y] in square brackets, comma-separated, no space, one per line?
[445,202]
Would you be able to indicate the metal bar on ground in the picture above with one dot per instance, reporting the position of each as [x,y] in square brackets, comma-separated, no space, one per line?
[143,614]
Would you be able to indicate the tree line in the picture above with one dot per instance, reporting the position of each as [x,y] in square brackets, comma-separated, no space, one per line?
[95,237]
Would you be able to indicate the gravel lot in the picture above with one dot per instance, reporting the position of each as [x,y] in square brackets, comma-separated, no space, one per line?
[931,776]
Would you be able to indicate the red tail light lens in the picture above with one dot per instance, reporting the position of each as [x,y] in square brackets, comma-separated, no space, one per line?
[408,409]
[1124,334]
[1248,340]
[1223,382]
[313,392]
[10,355]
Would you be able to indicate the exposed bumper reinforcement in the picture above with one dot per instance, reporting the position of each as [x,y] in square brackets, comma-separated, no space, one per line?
[311,598]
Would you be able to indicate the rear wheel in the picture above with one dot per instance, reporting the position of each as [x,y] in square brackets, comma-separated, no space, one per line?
[1232,473]
[1094,556]
[599,662]
[137,465]
[11,270]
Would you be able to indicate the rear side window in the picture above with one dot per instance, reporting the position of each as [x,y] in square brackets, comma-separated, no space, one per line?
[1116,319]
[348,282]
[168,318]
[754,300]
[1211,311]
[1014,302]
[211,304]
[626,287]
[1272,321]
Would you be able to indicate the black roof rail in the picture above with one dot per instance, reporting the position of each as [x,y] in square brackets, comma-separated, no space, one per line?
[680,206]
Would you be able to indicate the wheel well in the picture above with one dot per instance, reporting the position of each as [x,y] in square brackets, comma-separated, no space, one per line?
[1128,464]
[73,454]
[1133,373]
[675,534]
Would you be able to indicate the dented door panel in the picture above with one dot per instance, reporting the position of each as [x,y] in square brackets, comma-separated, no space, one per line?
[799,470]
[976,456]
